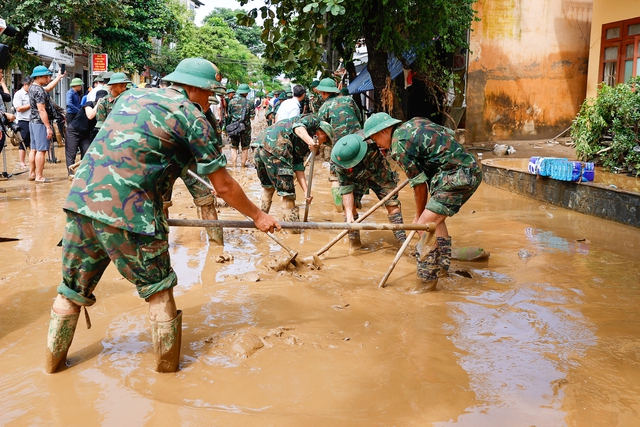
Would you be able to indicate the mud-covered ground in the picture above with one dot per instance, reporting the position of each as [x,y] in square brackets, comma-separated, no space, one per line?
[544,333]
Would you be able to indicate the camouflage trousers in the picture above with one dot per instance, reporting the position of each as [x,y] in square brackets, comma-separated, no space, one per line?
[383,185]
[243,140]
[451,189]
[275,172]
[89,246]
[198,190]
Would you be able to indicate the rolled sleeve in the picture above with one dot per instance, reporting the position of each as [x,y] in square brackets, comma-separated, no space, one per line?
[346,189]
[206,168]
[419,179]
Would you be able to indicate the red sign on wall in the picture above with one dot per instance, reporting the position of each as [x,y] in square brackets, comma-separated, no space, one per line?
[100,63]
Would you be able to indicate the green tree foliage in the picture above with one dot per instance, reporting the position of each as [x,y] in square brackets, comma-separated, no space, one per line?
[248,36]
[607,128]
[296,29]
[54,17]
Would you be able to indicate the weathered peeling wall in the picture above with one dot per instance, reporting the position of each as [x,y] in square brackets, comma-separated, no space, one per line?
[528,68]
[605,12]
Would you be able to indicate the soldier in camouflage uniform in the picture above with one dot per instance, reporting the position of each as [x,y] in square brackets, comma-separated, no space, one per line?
[117,85]
[360,166]
[345,118]
[315,98]
[436,165]
[279,155]
[236,106]
[114,207]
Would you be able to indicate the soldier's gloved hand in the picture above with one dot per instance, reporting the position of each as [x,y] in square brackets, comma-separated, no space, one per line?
[266,223]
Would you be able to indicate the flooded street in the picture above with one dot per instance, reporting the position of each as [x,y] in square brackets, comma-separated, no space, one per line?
[543,333]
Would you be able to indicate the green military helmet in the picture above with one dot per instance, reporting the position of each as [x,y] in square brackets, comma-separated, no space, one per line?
[289,94]
[243,88]
[118,78]
[231,90]
[315,83]
[282,96]
[344,91]
[349,151]
[328,85]
[76,82]
[98,78]
[328,129]
[107,75]
[197,72]
[378,122]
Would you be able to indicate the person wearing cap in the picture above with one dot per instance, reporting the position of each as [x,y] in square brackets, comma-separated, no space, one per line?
[361,167]
[441,172]
[40,123]
[98,84]
[117,85]
[291,107]
[240,110]
[280,151]
[114,207]
[73,99]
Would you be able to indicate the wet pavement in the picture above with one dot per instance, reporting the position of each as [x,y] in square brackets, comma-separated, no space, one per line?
[543,333]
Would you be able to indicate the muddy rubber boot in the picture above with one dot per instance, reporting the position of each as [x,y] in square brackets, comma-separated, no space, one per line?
[400,235]
[354,241]
[291,213]
[61,330]
[428,269]
[207,210]
[444,255]
[167,337]
[266,199]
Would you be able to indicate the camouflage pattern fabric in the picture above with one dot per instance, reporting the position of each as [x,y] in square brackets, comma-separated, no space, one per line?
[89,246]
[269,115]
[275,172]
[105,105]
[316,102]
[305,105]
[196,188]
[343,114]
[281,141]
[147,141]
[235,114]
[217,136]
[373,172]
[428,153]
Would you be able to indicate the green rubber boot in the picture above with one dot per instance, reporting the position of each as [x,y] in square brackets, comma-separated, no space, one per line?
[400,235]
[444,255]
[167,337]
[61,330]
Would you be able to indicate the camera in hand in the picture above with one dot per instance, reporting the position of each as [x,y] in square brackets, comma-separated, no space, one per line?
[5,124]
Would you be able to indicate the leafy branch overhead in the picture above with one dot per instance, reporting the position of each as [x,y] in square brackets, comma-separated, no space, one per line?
[296,29]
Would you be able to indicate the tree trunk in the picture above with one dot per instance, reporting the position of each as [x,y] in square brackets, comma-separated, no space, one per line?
[377,67]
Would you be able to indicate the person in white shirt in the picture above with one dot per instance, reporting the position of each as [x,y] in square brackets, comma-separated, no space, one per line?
[23,112]
[91,96]
[291,107]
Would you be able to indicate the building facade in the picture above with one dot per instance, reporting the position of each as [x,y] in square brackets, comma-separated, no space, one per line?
[527,68]
[614,56]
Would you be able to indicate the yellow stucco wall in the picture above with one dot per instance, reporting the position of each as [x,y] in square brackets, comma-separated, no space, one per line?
[528,67]
[604,12]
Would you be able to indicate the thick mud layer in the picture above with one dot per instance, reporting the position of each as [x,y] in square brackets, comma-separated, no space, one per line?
[543,333]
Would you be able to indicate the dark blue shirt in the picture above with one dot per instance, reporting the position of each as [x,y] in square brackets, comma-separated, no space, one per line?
[73,101]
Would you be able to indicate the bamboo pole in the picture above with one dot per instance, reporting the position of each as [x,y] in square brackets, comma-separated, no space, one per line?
[363,216]
[430,226]
[309,182]
[396,259]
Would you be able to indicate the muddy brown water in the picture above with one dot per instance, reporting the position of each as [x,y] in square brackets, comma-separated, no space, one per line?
[544,333]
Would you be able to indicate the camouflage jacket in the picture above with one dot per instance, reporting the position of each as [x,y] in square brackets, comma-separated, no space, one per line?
[316,102]
[234,110]
[373,167]
[146,142]
[424,150]
[343,114]
[105,105]
[281,141]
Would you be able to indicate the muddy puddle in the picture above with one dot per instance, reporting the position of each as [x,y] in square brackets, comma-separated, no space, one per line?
[543,333]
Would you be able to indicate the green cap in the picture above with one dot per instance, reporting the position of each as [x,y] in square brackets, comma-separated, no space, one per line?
[378,122]
[76,82]
[231,90]
[328,85]
[326,128]
[243,88]
[197,72]
[40,71]
[315,83]
[118,78]
[349,151]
